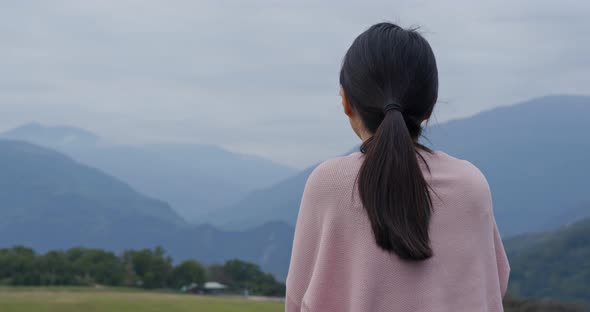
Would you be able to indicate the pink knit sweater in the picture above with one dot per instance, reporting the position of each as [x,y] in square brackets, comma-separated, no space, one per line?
[336,266]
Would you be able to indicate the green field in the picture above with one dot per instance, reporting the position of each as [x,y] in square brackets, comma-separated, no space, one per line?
[121,300]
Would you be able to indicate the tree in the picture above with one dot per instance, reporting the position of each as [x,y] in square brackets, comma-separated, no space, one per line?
[151,267]
[215,272]
[18,267]
[188,272]
[147,268]
[96,266]
[55,269]
[241,272]
[245,275]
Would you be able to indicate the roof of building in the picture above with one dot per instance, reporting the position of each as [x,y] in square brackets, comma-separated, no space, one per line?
[214,285]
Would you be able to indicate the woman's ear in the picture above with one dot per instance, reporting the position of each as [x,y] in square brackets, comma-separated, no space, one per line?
[345,104]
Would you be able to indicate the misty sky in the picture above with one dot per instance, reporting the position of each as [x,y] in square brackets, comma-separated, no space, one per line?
[261,77]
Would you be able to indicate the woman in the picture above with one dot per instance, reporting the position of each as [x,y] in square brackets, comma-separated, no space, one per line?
[396,227]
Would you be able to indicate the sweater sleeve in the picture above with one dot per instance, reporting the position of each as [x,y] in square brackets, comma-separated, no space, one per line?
[306,242]
[503,267]
[501,261]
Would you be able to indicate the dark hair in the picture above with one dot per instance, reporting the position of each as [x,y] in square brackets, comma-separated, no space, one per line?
[390,79]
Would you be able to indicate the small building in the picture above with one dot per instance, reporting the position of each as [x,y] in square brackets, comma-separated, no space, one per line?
[193,288]
[214,288]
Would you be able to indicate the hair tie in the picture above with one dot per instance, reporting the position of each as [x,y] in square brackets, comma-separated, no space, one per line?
[392,106]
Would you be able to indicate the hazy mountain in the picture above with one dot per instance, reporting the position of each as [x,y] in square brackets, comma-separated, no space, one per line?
[40,184]
[194,179]
[52,135]
[49,201]
[554,264]
[268,245]
[279,202]
[185,185]
[534,154]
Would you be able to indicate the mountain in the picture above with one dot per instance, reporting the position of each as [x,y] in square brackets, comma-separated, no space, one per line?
[49,201]
[553,264]
[55,136]
[195,179]
[39,184]
[268,245]
[279,202]
[534,154]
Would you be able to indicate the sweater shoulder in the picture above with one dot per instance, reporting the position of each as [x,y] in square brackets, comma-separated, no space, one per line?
[335,173]
[472,177]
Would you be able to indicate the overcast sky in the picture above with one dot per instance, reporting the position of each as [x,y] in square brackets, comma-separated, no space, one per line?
[261,77]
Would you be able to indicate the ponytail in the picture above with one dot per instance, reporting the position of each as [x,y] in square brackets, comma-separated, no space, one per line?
[394,191]
[386,63]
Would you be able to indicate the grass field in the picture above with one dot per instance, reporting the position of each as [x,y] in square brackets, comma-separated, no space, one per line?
[121,300]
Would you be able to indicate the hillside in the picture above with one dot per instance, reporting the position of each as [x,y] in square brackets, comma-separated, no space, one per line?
[40,184]
[49,201]
[56,135]
[194,178]
[553,264]
[279,202]
[534,155]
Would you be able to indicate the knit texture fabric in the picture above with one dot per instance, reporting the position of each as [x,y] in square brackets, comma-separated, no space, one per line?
[337,266]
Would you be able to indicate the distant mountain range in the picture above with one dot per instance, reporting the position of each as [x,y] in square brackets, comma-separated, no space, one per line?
[39,184]
[49,201]
[279,202]
[195,179]
[535,155]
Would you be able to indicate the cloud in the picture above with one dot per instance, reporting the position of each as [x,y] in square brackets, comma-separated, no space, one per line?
[262,76]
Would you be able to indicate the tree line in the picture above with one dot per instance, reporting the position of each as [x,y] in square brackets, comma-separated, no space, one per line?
[512,304]
[145,268]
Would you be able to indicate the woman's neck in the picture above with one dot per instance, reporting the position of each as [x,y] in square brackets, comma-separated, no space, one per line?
[364,135]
